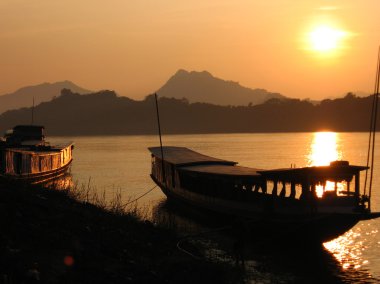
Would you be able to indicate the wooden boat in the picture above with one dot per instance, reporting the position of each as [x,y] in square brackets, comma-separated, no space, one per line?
[26,157]
[314,203]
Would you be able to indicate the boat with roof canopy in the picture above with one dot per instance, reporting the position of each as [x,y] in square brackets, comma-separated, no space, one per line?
[26,157]
[317,203]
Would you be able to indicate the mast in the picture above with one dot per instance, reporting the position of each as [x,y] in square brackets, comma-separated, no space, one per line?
[372,133]
[159,133]
[376,100]
[33,112]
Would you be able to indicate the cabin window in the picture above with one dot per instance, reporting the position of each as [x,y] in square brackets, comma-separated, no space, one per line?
[332,188]
[231,188]
[343,188]
[196,183]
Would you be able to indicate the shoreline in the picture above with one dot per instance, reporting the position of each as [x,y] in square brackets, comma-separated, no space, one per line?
[50,237]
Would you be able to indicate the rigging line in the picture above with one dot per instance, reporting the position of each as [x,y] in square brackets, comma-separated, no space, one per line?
[374,127]
[374,114]
[129,202]
[33,112]
[159,133]
[371,126]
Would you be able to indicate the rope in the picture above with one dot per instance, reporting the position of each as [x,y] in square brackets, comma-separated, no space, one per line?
[141,196]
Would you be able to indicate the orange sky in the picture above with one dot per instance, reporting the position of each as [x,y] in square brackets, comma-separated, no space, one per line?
[134,46]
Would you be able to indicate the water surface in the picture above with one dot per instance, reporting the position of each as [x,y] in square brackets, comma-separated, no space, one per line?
[122,163]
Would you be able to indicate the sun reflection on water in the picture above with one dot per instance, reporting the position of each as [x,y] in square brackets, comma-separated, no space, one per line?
[324,149]
[347,249]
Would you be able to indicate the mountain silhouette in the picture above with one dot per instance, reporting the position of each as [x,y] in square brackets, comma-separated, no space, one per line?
[205,88]
[41,93]
[105,113]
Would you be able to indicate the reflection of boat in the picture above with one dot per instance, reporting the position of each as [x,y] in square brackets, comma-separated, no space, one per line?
[63,182]
[26,157]
[294,210]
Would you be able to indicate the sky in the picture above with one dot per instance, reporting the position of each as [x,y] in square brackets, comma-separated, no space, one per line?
[299,48]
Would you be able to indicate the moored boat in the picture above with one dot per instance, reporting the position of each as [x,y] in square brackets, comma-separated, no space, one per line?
[26,157]
[314,203]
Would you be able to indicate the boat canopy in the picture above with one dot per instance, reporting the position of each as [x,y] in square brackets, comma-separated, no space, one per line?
[181,156]
[223,170]
[336,171]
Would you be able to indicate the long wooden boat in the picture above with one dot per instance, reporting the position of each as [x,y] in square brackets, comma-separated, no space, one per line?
[26,157]
[314,203]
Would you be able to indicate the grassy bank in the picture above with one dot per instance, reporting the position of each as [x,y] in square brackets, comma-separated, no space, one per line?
[51,236]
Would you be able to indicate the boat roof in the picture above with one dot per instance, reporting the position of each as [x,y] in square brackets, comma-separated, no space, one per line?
[53,149]
[338,170]
[223,170]
[181,156]
[27,127]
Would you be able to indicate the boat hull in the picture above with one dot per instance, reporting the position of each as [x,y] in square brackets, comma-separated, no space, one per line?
[312,226]
[36,178]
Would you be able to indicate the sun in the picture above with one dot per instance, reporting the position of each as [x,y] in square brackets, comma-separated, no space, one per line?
[325,38]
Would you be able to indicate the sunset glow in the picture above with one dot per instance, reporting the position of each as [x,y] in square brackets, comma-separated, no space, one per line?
[134,47]
[324,38]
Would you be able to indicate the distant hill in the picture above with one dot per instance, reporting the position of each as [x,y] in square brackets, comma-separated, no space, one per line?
[205,88]
[105,113]
[41,93]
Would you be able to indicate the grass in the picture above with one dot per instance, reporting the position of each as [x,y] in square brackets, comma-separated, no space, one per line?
[73,235]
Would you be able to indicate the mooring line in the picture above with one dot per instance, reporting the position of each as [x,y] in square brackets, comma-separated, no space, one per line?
[129,202]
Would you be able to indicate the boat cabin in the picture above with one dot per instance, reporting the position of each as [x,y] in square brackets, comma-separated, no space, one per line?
[20,134]
[335,185]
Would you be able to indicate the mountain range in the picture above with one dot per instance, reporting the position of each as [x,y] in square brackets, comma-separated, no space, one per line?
[194,86]
[40,93]
[204,87]
[105,113]
[185,107]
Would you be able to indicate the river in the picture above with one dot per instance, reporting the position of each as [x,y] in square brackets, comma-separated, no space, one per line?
[113,164]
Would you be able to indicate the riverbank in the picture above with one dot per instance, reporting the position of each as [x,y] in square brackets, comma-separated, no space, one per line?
[49,237]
